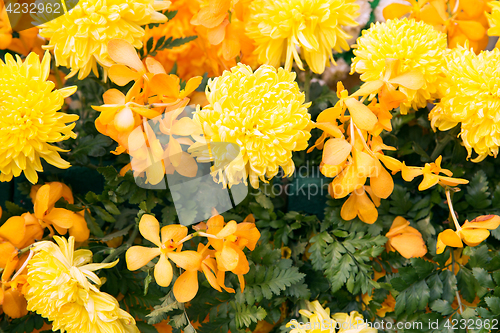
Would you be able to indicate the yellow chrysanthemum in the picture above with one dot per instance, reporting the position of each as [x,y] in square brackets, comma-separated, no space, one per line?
[60,289]
[417,46]
[263,112]
[80,37]
[315,26]
[29,117]
[473,99]
[494,19]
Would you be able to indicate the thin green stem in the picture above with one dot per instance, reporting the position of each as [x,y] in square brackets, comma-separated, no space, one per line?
[118,251]
[443,143]
[307,85]
[453,272]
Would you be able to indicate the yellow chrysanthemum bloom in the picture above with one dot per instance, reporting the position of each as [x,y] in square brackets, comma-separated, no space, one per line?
[494,20]
[263,112]
[29,117]
[417,46]
[315,26]
[471,98]
[80,37]
[60,289]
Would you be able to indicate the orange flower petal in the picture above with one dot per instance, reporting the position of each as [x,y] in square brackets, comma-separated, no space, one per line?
[139,256]
[60,217]
[149,228]
[175,232]
[14,304]
[13,229]
[409,245]
[395,10]
[473,237]
[485,221]
[125,54]
[413,80]
[188,260]
[186,286]
[382,185]
[122,75]
[336,151]
[163,271]
[448,238]
[210,276]
[429,181]
[79,230]
[228,230]
[362,116]
[228,258]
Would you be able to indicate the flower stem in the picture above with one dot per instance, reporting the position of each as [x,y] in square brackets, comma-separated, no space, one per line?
[117,252]
[452,212]
[453,271]
[443,143]
[307,85]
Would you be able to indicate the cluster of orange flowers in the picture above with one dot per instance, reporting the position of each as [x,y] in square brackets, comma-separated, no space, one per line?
[226,239]
[354,150]
[27,41]
[463,21]
[18,233]
[221,40]
[154,95]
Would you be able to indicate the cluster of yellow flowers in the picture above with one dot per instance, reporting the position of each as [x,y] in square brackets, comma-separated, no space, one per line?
[463,21]
[63,287]
[320,320]
[18,233]
[227,240]
[264,112]
[29,117]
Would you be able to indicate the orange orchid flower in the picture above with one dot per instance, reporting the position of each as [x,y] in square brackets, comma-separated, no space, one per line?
[471,233]
[406,240]
[63,220]
[388,96]
[11,297]
[168,247]
[359,204]
[229,241]
[186,285]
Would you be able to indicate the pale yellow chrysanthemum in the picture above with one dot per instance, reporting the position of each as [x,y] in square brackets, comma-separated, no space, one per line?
[472,98]
[494,20]
[60,289]
[417,46]
[315,26]
[29,117]
[263,112]
[80,37]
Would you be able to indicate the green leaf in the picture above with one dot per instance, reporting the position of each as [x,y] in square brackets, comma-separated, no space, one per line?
[245,315]
[483,277]
[493,304]
[116,234]
[477,191]
[442,306]
[93,226]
